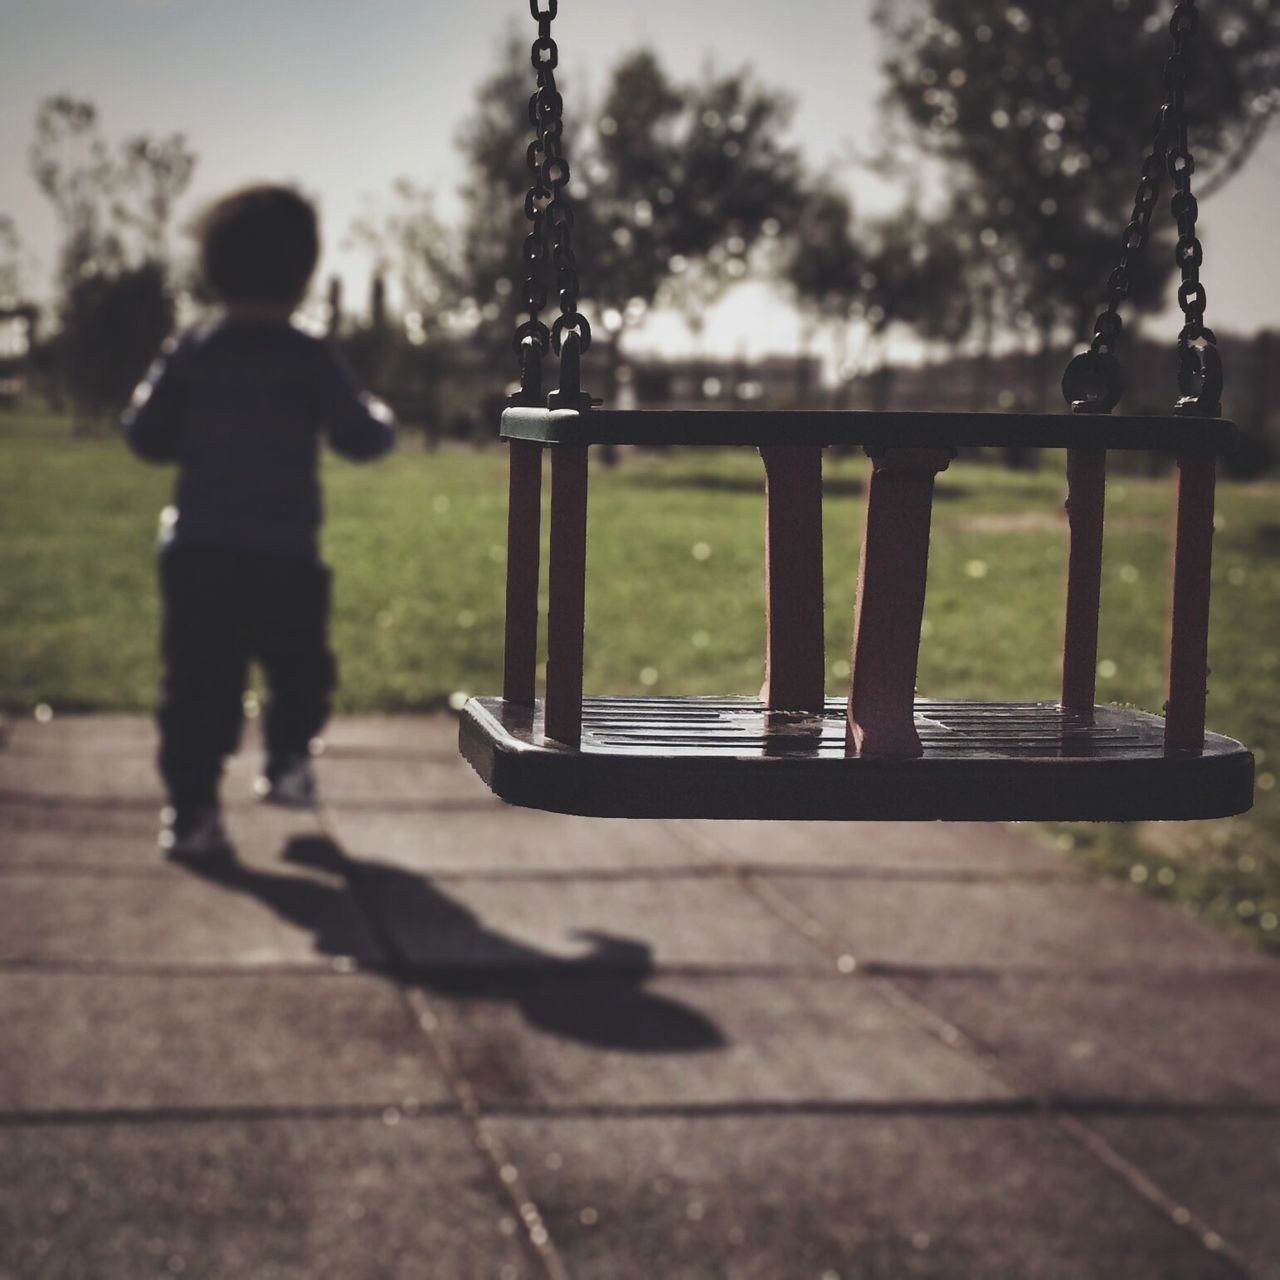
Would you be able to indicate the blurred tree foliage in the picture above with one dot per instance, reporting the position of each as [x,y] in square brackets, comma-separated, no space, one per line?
[906,268]
[112,326]
[11,266]
[821,262]
[114,207]
[684,180]
[667,179]
[151,174]
[72,166]
[1041,114]
[409,243]
[1035,117]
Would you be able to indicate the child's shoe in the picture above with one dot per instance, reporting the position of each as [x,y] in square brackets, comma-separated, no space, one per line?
[290,782]
[193,834]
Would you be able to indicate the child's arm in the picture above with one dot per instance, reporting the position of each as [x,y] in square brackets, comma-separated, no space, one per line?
[150,423]
[359,425]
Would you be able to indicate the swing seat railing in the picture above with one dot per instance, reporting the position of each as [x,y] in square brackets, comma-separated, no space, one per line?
[881,753]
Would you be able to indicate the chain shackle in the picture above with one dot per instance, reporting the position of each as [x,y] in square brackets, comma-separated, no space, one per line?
[1093,380]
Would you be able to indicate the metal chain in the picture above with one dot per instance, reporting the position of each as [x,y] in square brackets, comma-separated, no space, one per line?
[547,207]
[1106,329]
[1199,364]
[1093,382]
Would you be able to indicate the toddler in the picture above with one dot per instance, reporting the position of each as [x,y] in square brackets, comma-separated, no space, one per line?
[240,405]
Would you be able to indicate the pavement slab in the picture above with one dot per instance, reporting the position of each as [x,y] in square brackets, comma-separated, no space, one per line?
[1226,1169]
[678,1041]
[492,838]
[96,836]
[52,834]
[632,923]
[937,850]
[372,735]
[383,1034]
[181,920]
[1198,1039]
[365,779]
[114,762]
[99,1042]
[860,1197]
[1069,927]
[107,761]
[285,1199]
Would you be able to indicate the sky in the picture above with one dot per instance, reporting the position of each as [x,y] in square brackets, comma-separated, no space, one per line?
[343,96]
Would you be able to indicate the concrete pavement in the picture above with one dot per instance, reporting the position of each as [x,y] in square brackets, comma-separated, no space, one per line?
[418,1034]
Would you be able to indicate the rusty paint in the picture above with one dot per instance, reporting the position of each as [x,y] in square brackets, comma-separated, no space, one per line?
[892,575]
[566,589]
[1189,631]
[524,519]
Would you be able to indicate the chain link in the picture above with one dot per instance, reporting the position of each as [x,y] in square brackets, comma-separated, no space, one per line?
[1106,330]
[547,207]
[1093,381]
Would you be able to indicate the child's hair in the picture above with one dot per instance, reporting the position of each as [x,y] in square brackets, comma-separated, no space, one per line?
[259,244]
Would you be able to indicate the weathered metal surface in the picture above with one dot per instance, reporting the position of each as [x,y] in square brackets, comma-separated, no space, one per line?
[524,520]
[1175,434]
[566,593]
[1189,638]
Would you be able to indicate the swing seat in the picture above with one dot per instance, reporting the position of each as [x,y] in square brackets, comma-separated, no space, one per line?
[884,754]
[733,758]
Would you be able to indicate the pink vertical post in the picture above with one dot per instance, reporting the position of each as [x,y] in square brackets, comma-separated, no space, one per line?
[1086,497]
[892,575]
[524,520]
[795,672]
[1189,640]
[566,589]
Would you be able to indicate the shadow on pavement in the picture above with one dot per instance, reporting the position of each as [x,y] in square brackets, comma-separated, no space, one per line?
[598,999]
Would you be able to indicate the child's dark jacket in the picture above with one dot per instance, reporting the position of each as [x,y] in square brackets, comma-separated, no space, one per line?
[241,406]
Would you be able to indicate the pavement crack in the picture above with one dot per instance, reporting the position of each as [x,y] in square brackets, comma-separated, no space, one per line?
[1067,1109]
[507,1176]
[80,1116]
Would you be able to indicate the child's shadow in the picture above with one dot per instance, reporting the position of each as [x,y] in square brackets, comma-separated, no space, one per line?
[598,999]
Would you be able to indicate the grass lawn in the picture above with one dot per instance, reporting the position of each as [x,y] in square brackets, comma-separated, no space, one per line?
[675,604]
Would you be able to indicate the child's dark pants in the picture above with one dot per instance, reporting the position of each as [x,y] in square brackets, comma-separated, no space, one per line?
[223,609]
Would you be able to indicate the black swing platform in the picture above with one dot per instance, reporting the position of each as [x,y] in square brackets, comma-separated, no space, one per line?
[882,753]
[732,758]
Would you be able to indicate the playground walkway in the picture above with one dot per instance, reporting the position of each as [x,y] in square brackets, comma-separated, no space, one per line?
[418,1034]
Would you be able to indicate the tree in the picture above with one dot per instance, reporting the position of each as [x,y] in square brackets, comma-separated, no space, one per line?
[112,327]
[403,350]
[904,269]
[11,273]
[492,142]
[151,175]
[73,167]
[409,243]
[115,305]
[1039,117]
[685,181]
[670,182]
[822,264]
